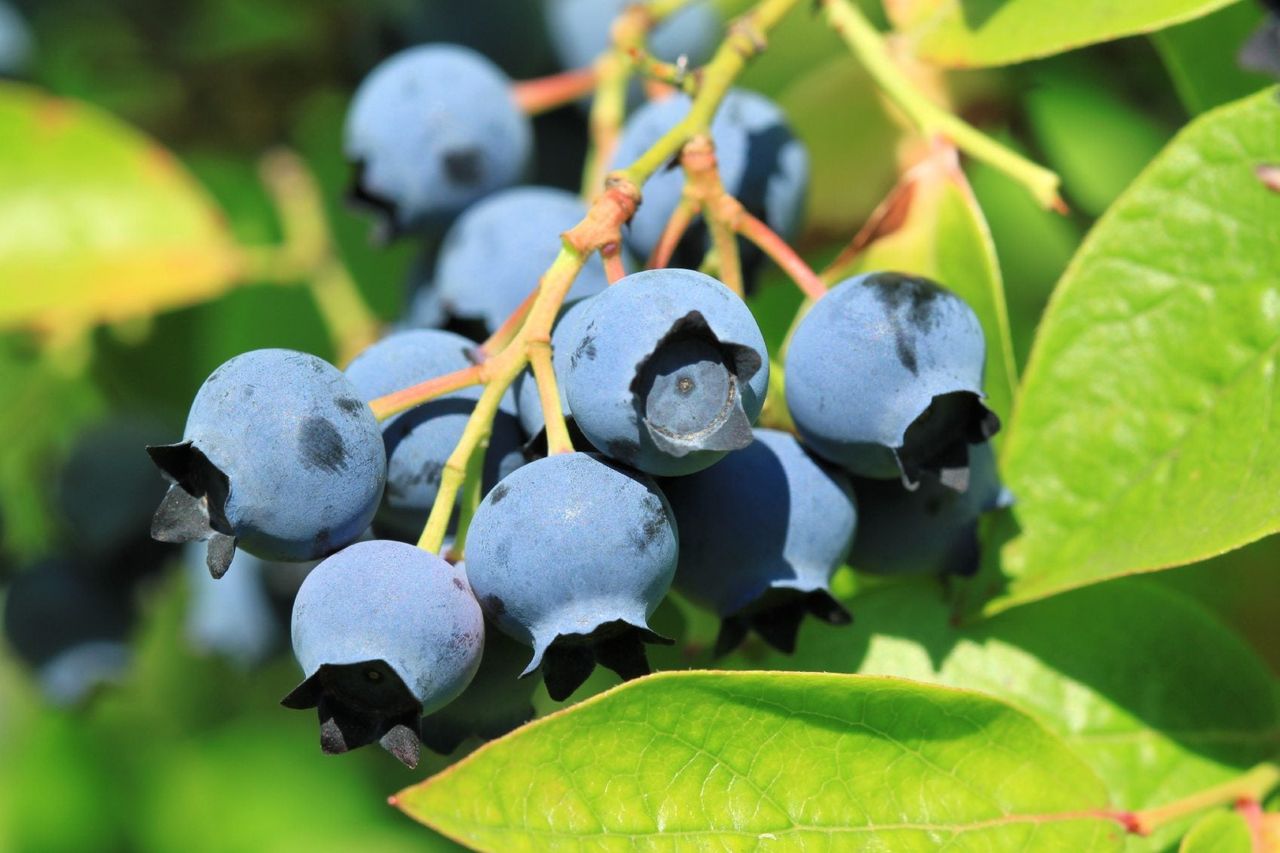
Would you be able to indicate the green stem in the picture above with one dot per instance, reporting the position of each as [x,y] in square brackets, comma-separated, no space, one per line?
[866,43]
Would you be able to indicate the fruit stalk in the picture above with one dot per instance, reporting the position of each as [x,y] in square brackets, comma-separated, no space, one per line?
[600,229]
[548,93]
[869,47]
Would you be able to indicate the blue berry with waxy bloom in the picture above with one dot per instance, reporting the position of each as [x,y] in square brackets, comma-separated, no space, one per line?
[667,371]
[761,533]
[431,130]
[761,164]
[419,441]
[570,555]
[69,627]
[280,456]
[385,632]
[930,531]
[494,254]
[15,42]
[884,377]
[233,617]
[579,31]
[496,701]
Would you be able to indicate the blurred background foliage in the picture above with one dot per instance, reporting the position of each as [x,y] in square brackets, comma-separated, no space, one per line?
[192,754]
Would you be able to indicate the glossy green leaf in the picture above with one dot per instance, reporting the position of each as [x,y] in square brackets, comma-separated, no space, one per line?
[1201,57]
[973,33]
[748,761]
[1150,690]
[98,224]
[931,225]
[1218,832]
[1148,421]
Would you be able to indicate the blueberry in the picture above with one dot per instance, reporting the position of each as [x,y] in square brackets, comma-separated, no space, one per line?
[761,163]
[667,371]
[571,555]
[884,377]
[580,31]
[233,617]
[493,256]
[384,632]
[496,701]
[761,534]
[418,442]
[431,130]
[932,530]
[15,42]
[71,629]
[528,403]
[280,456]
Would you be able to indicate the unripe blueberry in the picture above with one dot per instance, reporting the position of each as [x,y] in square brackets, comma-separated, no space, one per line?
[932,530]
[884,377]
[667,371]
[384,632]
[419,441]
[570,555]
[280,456]
[431,130]
[761,534]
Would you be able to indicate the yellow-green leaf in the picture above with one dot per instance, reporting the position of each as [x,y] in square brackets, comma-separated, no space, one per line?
[1148,425]
[98,224]
[973,33]
[1218,832]
[773,761]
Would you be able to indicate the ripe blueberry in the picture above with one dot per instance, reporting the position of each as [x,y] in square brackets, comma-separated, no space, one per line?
[15,42]
[761,163]
[884,377]
[667,371]
[494,254]
[496,701]
[579,31]
[233,617]
[280,456]
[418,442]
[932,530]
[431,130]
[761,533]
[571,555]
[384,632]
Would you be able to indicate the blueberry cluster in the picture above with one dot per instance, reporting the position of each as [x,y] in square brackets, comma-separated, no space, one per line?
[663,375]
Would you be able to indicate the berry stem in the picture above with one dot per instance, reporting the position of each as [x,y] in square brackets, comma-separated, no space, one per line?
[702,176]
[544,94]
[677,225]
[782,254]
[392,404]
[677,75]
[544,374]
[614,270]
[868,45]
[604,124]
[507,331]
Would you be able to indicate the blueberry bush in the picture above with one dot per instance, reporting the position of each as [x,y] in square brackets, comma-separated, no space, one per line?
[680,424]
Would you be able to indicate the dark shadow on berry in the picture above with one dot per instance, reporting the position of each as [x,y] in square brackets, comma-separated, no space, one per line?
[360,196]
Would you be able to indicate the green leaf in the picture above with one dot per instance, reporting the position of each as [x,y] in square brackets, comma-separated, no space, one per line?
[972,33]
[781,761]
[931,225]
[1148,419]
[1201,57]
[98,224]
[1142,683]
[1218,832]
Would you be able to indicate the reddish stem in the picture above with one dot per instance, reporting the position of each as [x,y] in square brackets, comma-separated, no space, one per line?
[544,94]
[614,270]
[679,223]
[415,395]
[782,254]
